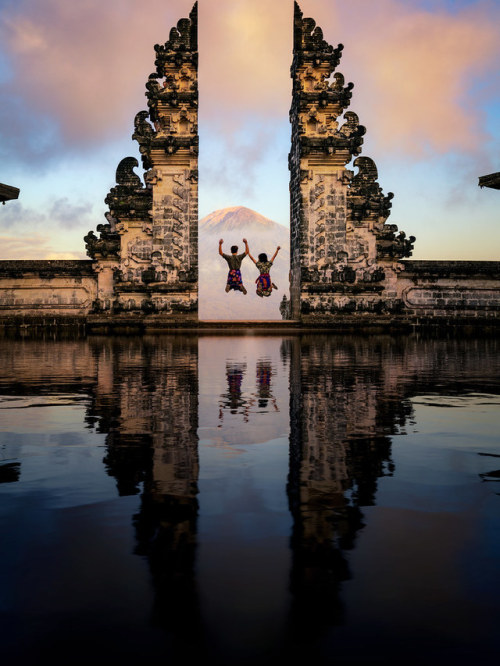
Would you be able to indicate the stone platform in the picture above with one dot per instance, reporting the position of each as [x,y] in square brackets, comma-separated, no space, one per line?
[83,325]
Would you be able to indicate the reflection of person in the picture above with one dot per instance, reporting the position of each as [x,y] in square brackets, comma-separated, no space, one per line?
[234,260]
[234,378]
[233,399]
[236,401]
[264,373]
[263,282]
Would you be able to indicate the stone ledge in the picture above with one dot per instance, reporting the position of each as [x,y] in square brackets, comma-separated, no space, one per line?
[342,288]
[8,193]
[46,268]
[143,324]
[155,287]
[450,269]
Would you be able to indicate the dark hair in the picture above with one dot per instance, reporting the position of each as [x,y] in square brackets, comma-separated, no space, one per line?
[234,249]
[262,256]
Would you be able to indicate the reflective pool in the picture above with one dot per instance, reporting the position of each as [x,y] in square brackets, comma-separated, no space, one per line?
[245,499]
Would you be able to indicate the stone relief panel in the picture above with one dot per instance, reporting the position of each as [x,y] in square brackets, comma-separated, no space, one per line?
[171,243]
[50,297]
[326,221]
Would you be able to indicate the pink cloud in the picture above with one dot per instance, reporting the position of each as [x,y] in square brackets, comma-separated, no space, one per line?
[85,64]
[34,246]
[415,70]
[245,56]
[53,231]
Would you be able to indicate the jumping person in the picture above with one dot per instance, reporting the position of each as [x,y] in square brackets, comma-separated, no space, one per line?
[263,282]
[234,260]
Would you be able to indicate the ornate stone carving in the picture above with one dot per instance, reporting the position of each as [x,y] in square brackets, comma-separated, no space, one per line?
[143,134]
[308,39]
[172,91]
[106,245]
[338,231]
[129,199]
[154,226]
[365,198]
[392,246]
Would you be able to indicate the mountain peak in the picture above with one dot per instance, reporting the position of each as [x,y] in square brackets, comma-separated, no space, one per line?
[236,218]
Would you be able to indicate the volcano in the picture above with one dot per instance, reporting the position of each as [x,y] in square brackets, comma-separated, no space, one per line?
[238,218]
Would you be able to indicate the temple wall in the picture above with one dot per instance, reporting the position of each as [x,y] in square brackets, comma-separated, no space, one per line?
[418,293]
[450,289]
[453,291]
[44,288]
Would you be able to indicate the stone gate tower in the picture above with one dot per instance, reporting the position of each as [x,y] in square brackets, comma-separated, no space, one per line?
[147,254]
[343,257]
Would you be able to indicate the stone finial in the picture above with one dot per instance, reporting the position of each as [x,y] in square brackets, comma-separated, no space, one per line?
[182,42]
[172,94]
[392,246]
[125,173]
[128,200]
[106,245]
[367,204]
[308,38]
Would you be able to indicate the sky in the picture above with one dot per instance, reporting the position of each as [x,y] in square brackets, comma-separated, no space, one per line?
[426,87]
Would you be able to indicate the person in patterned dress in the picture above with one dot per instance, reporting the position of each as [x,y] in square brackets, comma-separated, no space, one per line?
[264,284]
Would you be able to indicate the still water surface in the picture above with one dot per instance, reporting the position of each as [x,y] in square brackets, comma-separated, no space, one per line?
[246,499]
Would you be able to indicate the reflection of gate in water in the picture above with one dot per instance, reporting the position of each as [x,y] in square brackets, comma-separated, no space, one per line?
[264,372]
[339,446]
[347,397]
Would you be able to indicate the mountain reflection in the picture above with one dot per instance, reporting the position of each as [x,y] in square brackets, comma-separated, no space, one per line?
[347,398]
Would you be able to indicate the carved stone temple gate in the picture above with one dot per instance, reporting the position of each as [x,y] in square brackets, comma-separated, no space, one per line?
[343,255]
[147,254]
[347,265]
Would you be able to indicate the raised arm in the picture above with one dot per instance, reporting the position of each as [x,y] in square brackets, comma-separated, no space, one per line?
[220,247]
[247,250]
[274,255]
